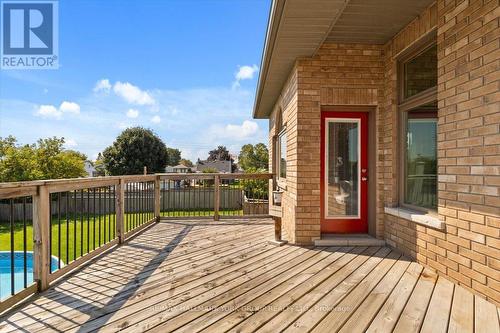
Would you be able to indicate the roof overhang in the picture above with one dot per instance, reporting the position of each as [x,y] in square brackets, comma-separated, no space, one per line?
[297,28]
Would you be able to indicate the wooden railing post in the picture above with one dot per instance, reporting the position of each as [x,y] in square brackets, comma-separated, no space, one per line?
[216,197]
[41,237]
[277,229]
[120,211]
[157,198]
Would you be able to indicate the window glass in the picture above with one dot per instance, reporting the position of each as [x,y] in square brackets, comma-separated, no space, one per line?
[420,73]
[421,157]
[342,165]
[282,153]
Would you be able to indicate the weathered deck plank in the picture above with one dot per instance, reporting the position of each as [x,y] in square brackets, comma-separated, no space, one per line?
[193,276]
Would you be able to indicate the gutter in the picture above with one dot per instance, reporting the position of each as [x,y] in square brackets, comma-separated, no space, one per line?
[275,14]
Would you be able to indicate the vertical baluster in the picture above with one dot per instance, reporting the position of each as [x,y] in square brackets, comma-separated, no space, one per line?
[114,211]
[59,230]
[94,217]
[164,198]
[127,206]
[67,227]
[88,221]
[25,268]
[75,219]
[100,213]
[51,197]
[11,219]
[133,187]
[81,222]
[105,211]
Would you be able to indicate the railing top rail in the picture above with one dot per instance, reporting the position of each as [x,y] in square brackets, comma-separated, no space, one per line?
[177,176]
[27,188]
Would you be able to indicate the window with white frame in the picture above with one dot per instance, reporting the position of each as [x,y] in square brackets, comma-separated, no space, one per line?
[282,154]
[279,146]
[418,114]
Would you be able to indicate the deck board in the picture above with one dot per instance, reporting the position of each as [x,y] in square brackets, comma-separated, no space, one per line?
[205,276]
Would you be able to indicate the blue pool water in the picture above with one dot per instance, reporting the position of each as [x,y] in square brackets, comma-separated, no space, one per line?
[5,271]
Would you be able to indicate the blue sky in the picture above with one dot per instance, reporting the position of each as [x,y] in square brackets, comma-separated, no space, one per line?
[185,68]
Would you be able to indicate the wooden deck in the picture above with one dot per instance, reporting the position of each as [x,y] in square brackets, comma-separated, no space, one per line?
[190,276]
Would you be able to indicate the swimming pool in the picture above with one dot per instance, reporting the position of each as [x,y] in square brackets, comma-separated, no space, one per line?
[5,271]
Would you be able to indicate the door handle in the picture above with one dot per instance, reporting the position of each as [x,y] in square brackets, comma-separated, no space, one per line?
[364,179]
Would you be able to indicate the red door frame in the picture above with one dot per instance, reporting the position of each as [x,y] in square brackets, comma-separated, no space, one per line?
[350,225]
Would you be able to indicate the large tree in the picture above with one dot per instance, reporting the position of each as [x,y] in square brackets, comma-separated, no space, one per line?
[254,157]
[219,154]
[174,156]
[134,149]
[46,159]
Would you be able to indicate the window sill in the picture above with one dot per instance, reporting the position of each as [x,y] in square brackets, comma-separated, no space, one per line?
[419,218]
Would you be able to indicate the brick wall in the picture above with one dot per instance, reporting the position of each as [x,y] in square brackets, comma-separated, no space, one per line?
[468,250]
[340,74]
[286,108]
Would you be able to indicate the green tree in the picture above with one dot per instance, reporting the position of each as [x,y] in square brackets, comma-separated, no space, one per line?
[254,157]
[133,149]
[99,165]
[186,162]
[47,159]
[255,188]
[219,154]
[174,156]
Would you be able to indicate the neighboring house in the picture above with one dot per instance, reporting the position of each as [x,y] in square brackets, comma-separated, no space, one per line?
[90,169]
[220,166]
[181,168]
[384,121]
[169,169]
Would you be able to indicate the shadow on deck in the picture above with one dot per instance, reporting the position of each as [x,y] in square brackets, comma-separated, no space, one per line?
[193,275]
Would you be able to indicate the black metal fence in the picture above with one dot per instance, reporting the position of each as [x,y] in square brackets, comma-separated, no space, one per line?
[139,204]
[81,221]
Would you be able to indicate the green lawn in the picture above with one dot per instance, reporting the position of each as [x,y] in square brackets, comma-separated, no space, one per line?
[76,237]
[81,233]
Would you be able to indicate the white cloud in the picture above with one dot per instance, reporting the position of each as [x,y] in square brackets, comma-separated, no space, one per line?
[102,85]
[69,107]
[244,73]
[49,111]
[133,113]
[156,119]
[70,143]
[246,130]
[133,94]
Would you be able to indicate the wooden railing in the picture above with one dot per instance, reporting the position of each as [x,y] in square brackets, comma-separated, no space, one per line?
[51,227]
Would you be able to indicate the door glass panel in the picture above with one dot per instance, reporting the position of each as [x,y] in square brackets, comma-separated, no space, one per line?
[342,169]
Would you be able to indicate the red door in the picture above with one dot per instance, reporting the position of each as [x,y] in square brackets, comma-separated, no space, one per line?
[344,171]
